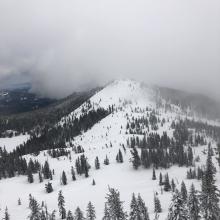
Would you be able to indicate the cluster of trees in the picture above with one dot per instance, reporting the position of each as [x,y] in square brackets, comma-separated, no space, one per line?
[54,138]
[203,204]
[113,209]
[57,136]
[143,124]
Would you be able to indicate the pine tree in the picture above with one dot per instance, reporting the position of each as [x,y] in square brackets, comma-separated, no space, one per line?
[6,215]
[160,179]
[46,170]
[78,214]
[19,201]
[136,161]
[30,176]
[183,191]
[115,205]
[157,205]
[52,216]
[193,204]
[177,209]
[142,208]
[134,209]
[167,183]
[154,175]
[69,216]
[49,187]
[64,179]
[90,212]
[40,177]
[210,195]
[73,174]
[61,205]
[97,164]
[107,215]
[106,161]
[35,209]
[119,157]
[93,182]
[173,185]
[86,172]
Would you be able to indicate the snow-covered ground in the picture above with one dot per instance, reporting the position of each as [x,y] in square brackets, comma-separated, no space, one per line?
[130,99]
[11,143]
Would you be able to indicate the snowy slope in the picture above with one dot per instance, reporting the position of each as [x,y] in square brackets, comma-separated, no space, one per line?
[130,100]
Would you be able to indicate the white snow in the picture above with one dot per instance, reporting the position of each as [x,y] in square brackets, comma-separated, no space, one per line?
[11,143]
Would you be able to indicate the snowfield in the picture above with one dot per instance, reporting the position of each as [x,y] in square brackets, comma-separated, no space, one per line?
[11,143]
[130,99]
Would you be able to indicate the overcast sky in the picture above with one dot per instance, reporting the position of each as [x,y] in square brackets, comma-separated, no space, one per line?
[63,46]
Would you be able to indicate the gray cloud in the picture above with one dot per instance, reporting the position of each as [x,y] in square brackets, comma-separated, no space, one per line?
[63,46]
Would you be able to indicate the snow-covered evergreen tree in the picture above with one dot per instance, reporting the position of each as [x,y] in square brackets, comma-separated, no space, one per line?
[6,215]
[193,204]
[184,191]
[134,209]
[78,214]
[107,215]
[61,205]
[69,216]
[136,161]
[177,209]
[115,205]
[90,212]
[143,209]
[157,205]
[210,194]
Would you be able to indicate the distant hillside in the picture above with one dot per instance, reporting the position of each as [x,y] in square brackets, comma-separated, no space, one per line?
[202,104]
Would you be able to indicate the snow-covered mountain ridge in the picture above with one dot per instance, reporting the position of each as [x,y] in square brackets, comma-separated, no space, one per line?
[134,113]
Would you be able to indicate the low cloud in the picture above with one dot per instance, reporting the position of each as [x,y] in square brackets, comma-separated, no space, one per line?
[64,46]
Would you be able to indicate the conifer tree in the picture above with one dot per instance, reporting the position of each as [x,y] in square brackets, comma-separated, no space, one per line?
[119,157]
[35,209]
[46,170]
[136,161]
[177,209]
[90,212]
[160,179]
[134,209]
[49,187]
[193,204]
[183,191]
[78,214]
[61,205]
[154,175]
[157,205]
[40,177]
[64,179]
[30,176]
[210,194]
[106,161]
[69,216]
[107,215]
[6,215]
[93,182]
[19,201]
[167,183]
[115,205]
[73,174]
[142,208]
[97,164]
[173,185]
